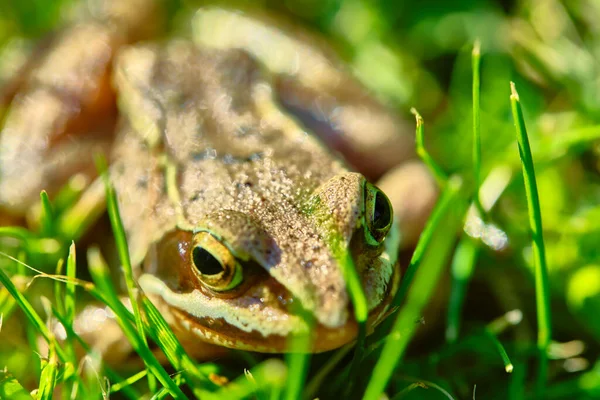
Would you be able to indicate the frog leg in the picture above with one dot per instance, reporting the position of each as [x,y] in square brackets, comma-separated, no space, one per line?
[62,104]
[51,131]
[18,57]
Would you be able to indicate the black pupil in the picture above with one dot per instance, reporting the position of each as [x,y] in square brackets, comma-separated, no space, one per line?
[206,263]
[382,212]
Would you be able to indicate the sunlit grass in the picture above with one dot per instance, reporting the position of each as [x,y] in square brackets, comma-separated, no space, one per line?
[475,350]
[271,377]
[437,171]
[476,67]
[155,326]
[542,289]
[465,256]
[10,388]
[450,209]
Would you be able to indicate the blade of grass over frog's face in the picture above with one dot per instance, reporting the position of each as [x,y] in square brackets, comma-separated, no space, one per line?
[452,206]
[298,359]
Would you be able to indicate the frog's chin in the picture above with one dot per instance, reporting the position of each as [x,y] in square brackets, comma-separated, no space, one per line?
[323,338]
[268,332]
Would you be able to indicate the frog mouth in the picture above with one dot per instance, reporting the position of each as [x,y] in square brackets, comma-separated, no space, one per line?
[259,328]
[264,315]
[324,338]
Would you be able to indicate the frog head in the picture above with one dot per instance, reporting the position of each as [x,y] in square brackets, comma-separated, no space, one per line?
[247,274]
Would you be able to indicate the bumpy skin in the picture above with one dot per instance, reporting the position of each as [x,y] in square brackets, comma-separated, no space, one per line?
[211,151]
[314,85]
[65,107]
[323,95]
[219,141]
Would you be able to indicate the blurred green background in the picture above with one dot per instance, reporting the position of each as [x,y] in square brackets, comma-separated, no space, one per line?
[418,54]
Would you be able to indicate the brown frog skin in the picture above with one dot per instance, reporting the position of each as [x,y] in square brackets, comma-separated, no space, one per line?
[65,105]
[236,213]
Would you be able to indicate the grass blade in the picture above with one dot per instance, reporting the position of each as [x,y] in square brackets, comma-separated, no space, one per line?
[426,236]
[508,365]
[270,374]
[35,320]
[80,216]
[47,215]
[68,307]
[16,232]
[127,390]
[298,358]
[465,256]
[69,193]
[421,384]
[319,376]
[451,209]
[462,267]
[59,293]
[298,367]
[127,383]
[438,173]
[123,251]
[476,66]
[176,354]
[361,313]
[7,304]
[70,285]
[10,388]
[105,293]
[49,372]
[542,291]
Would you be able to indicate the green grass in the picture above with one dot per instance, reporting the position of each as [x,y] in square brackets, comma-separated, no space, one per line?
[434,250]
[473,316]
[437,171]
[10,388]
[465,256]
[542,290]
[450,209]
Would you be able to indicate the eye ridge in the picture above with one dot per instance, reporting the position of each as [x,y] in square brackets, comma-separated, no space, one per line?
[205,262]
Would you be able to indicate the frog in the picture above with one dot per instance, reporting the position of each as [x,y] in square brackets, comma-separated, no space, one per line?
[242,157]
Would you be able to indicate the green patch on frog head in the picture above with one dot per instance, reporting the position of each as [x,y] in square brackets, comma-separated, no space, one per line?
[345,203]
[340,208]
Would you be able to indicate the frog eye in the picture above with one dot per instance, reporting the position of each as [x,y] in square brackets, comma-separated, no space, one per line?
[214,264]
[378,213]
